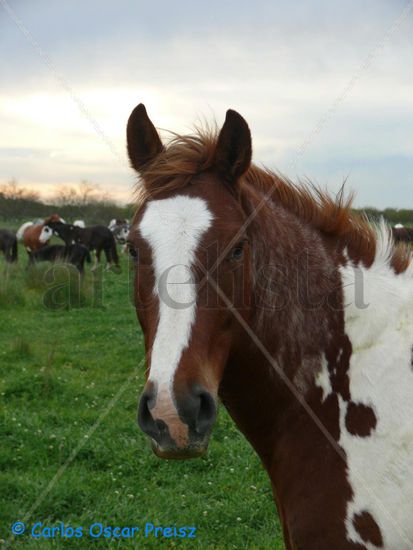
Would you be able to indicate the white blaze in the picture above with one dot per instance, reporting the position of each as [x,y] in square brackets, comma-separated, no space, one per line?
[173,229]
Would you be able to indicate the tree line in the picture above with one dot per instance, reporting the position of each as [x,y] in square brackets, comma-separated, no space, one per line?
[87,202]
[392,215]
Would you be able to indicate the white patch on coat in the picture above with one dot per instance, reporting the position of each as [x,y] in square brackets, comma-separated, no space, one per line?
[124,233]
[22,229]
[173,229]
[322,378]
[45,234]
[79,223]
[380,467]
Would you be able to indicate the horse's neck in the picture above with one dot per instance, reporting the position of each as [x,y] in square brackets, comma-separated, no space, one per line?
[296,327]
[298,324]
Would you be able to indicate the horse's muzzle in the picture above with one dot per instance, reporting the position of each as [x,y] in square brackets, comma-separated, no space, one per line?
[178,431]
[178,453]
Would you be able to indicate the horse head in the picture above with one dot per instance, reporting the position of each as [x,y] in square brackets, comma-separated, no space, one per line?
[192,261]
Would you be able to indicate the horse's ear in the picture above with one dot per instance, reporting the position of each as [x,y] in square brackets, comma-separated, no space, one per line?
[234,149]
[143,140]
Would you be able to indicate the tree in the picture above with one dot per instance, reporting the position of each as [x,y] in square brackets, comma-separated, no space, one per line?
[85,194]
[12,191]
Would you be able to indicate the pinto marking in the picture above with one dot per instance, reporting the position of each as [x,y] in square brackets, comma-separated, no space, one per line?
[322,379]
[22,229]
[173,228]
[46,234]
[381,336]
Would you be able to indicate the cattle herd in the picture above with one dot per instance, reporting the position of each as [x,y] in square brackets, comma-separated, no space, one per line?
[79,241]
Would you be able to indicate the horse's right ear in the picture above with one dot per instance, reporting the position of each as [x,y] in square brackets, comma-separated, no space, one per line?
[234,149]
[143,140]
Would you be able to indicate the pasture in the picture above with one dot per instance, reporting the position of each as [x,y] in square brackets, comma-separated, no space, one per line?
[70,381]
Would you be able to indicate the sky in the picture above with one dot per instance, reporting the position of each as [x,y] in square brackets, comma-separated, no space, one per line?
[325,86]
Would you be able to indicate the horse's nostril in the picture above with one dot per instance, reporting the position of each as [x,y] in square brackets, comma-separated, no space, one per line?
[145,420]
[196,410]
[162,427]
[206,413]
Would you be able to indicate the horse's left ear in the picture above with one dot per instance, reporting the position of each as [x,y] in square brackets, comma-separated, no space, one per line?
[234,148]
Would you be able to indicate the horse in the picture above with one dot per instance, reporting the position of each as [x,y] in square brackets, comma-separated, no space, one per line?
[117,221]
[65,231]
[98,237]
[293,310]
[403,234]
[120,230]
[34,236]
[75,254]
[8,245]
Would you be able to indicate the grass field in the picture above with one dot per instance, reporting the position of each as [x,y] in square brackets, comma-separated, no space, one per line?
[69,387]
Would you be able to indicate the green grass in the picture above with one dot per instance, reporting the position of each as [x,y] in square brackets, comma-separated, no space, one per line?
[63,360]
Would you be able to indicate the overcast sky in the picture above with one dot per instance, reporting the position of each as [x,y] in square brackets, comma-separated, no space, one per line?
[71,72]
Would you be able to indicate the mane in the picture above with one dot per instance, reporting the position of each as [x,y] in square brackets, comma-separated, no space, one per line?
[187,156]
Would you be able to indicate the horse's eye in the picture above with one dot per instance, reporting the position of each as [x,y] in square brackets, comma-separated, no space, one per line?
[237,252]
